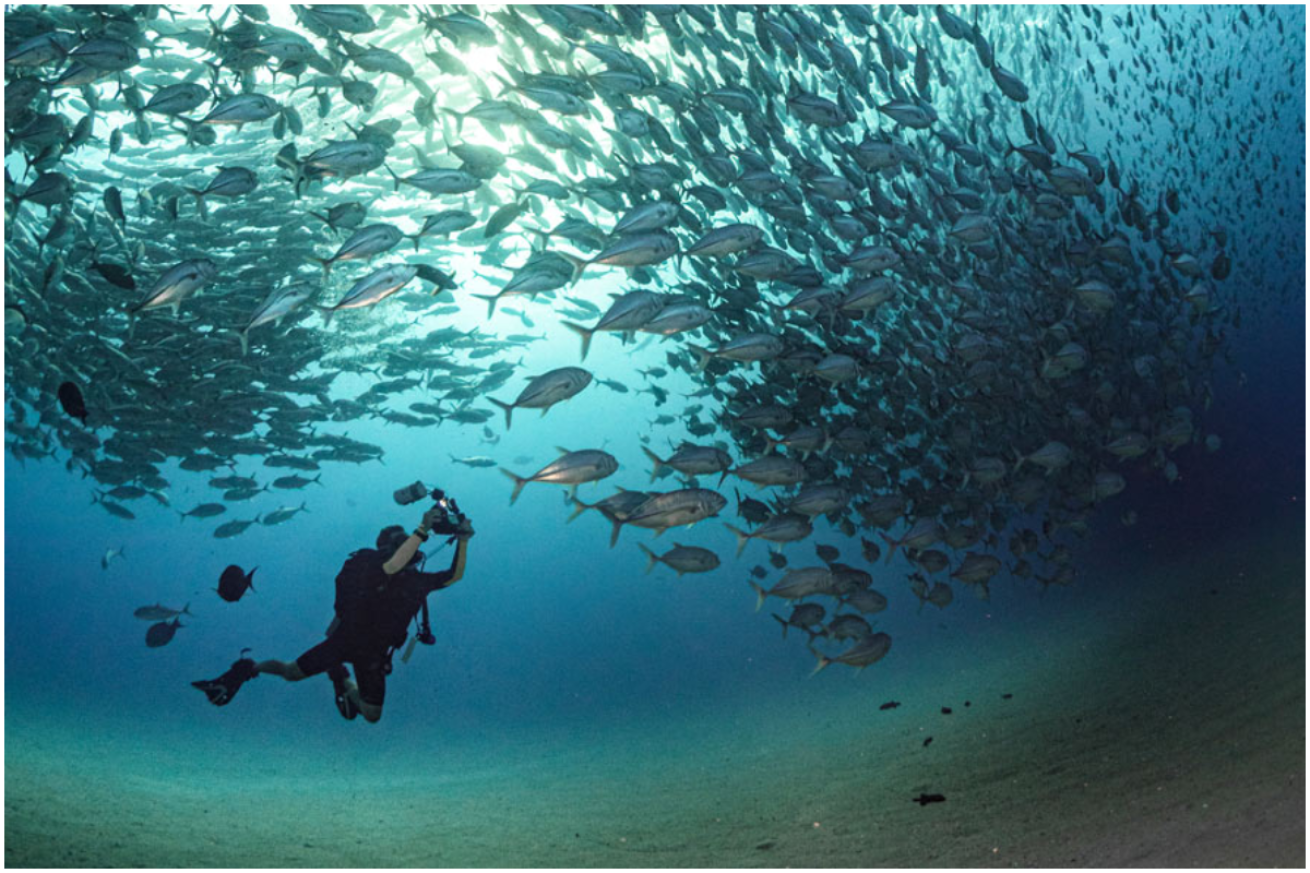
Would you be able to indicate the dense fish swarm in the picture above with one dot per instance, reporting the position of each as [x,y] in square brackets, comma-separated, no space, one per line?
[916,306]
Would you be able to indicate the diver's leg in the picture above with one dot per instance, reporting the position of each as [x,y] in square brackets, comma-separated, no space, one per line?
[317,660]
[357,705]
[372,712]
[288,670]
[372,689]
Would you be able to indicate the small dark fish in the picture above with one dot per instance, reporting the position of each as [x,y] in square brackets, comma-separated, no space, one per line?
[778,559]
[754,511]
[827,553]
[925,799]
[927,742]
[162,634]
[114,204]
[946,710]
[70,398]
[109,555]
[115,274]
[759,572]
[1006,696]
[891,704]
[443,281]
[502,218]
[233,583]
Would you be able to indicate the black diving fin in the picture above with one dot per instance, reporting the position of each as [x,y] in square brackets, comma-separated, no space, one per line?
[220,691]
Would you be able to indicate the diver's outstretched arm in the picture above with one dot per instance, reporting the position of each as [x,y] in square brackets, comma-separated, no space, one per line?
[446,578]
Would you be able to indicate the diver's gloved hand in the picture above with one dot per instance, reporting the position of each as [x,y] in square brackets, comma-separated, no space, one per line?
[433,516]
[464,529]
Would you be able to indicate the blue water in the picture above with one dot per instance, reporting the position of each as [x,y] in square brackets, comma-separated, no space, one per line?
[551,634]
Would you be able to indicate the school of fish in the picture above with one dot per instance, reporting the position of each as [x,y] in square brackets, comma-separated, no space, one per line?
[920,314]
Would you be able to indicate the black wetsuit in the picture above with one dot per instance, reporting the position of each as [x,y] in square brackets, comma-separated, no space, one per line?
[375,624]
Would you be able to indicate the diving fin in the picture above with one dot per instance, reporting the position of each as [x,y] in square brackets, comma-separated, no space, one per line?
[220,691]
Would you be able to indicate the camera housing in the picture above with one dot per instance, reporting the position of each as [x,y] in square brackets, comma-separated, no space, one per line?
[453,516]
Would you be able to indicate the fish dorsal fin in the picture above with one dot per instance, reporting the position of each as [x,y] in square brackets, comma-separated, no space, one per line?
[562,450]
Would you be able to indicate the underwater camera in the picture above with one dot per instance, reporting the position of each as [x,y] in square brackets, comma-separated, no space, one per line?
[417,491]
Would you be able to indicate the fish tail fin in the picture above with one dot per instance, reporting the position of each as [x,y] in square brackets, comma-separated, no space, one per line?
[394,178]
[186,610]
[585,333]
[742,538]
[200,201]
[327,311]
[519,482]
[823,660]
[491,302]
[703,356]
[656,460]
[509,410]
[652,558]
[780,621]
[578,266]
[325,263]
[1018,460]
[578,508]
[891,544]
[245,343]
[760,593]
[505,85]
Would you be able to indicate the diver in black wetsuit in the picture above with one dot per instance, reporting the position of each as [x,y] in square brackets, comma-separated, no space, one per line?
[377,597]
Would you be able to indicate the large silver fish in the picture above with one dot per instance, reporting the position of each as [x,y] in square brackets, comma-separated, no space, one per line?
[571,468]
[544,391]
[372,289]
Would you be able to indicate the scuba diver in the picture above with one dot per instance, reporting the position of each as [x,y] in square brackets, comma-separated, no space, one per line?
[378,593]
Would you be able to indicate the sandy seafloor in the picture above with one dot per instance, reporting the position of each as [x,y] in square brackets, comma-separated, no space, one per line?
[1165,731]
